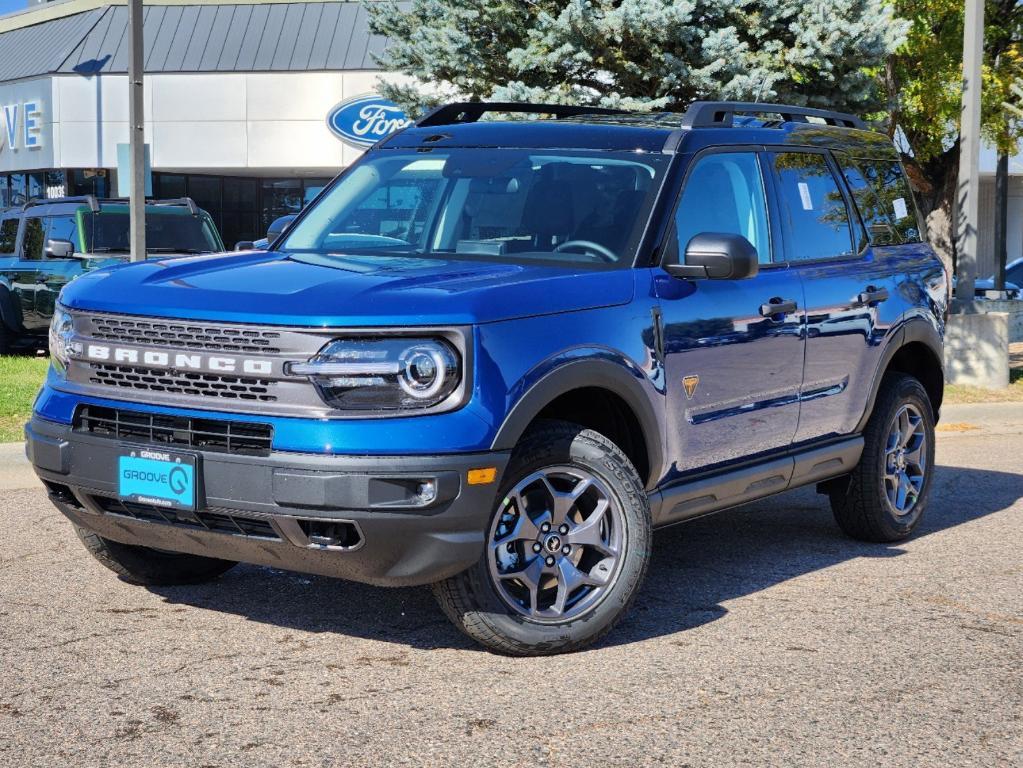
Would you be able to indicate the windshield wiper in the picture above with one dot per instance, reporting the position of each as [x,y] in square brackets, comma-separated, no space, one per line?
[108,249]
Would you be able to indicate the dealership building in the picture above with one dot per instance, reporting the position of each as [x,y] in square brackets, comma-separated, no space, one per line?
[241,102]
[241,106]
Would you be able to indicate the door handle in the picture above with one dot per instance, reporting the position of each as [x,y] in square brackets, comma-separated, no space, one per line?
[777,306]
[872,295]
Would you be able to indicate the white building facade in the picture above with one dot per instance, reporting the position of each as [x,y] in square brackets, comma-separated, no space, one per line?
[237,101]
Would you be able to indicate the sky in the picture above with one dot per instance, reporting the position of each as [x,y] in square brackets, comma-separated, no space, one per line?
[6,6]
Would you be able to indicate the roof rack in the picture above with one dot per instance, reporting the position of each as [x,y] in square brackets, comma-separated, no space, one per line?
[91,200]
[95,203]
[472,111]
[720,114]
[185,201]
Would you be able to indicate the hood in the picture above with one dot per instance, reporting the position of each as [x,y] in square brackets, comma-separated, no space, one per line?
[314,290]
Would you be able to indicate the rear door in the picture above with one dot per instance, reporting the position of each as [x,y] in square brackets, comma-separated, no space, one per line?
[849,290]
[733,348]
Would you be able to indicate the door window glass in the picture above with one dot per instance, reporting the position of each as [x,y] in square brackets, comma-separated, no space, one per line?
[725,193]
[63,228]
[32,245]
[8,235]
[813,202]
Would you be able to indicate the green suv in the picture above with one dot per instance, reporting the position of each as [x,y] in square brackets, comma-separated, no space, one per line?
[47,243]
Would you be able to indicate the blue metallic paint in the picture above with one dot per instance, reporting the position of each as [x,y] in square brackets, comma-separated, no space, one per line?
[533,323]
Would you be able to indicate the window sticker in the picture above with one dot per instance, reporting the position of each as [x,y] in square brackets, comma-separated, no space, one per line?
[901,211]
[804,195]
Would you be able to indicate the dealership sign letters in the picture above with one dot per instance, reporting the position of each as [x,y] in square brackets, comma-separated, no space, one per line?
[21,125]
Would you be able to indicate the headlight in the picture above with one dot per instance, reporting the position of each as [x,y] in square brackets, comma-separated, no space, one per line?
[61,334]
[384,374]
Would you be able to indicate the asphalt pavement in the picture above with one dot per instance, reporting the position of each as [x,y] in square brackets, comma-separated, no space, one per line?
[762,637]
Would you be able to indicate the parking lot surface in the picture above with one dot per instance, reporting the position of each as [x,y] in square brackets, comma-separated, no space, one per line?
[762,637]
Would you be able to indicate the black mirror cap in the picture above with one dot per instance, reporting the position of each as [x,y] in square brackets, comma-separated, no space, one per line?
[59,249]
[718,256]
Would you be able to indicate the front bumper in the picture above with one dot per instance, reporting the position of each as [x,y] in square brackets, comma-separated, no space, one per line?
[341,516]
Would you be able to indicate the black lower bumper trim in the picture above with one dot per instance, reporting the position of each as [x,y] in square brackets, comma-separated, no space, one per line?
[354,517]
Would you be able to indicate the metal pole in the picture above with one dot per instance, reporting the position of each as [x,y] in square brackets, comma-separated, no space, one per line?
[1001,218]
[968,190]
[136,134]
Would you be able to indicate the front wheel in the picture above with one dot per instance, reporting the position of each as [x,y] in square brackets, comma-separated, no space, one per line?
[567,547]
[885,496]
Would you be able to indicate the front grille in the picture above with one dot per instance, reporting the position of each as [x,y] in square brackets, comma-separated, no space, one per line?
[180,383]
[188,335]
[212,519]
[236,437]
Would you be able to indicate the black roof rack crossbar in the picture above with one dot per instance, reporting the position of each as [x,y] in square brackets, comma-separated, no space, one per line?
[91,200]
[472,111]
[718,114]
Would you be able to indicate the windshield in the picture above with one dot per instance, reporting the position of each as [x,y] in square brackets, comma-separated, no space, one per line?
[108,232]
[497,205]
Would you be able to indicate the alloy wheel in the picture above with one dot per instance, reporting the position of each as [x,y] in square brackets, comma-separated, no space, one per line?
[905,460]
[556,544]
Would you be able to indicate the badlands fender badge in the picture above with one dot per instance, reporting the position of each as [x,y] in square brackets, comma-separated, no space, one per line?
[690,383]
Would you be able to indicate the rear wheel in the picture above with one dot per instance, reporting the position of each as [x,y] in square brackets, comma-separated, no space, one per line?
[885,496]
[155,567]
[567,547]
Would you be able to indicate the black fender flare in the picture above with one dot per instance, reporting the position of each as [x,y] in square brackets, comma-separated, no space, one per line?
[914,330]
[624,381]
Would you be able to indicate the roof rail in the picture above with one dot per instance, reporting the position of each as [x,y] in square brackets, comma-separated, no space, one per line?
[185,201]
[720,114]
[91,200]
[472,111]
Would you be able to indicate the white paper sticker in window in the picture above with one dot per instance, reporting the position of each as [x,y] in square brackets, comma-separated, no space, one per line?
[901,211]
[804,195]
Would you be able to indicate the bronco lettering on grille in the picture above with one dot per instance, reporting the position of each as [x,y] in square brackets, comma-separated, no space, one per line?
[177,360]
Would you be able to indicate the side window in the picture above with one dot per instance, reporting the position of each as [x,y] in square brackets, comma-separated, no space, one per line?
[816,209]
[885,200]
[32,243]
[725,193]
[8,235]
[63,228]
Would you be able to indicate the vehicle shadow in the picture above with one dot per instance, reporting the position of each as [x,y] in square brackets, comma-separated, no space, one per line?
[696,568]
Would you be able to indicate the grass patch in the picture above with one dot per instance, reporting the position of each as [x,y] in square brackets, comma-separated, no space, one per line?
[957,394]
[20,379]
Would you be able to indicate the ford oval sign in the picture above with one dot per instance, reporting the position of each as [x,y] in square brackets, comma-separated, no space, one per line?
[363,120]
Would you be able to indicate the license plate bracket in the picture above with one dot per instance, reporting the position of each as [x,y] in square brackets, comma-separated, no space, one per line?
[161,478]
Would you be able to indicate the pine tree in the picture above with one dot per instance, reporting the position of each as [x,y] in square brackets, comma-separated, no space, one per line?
[638,54]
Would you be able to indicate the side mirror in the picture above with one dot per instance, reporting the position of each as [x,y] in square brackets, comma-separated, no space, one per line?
[244,245]
[59,249]
[717,256]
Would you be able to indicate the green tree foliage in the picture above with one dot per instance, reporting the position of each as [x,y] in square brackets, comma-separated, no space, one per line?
[923,84]
[639,54]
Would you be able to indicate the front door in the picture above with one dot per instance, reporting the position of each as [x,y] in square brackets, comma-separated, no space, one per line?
[733,348]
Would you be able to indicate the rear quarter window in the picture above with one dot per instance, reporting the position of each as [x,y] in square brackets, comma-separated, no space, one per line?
[884,199]
[8,236]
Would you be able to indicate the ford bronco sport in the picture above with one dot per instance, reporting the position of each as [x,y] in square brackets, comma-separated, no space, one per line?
[495,354]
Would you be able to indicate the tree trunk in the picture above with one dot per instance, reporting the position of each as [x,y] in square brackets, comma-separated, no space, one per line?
[935,184]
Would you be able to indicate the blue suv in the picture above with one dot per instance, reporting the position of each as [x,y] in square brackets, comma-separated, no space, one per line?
[495,354]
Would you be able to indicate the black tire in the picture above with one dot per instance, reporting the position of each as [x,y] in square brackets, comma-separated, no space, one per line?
[470,599]
[5,339]
[151,567]
[861,506]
